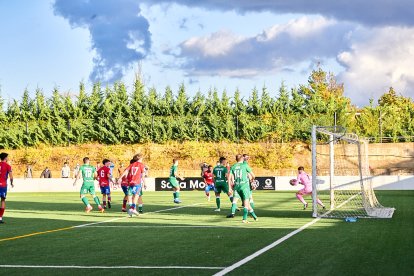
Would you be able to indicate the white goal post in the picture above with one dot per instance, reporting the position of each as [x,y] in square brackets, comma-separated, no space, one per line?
[341,176]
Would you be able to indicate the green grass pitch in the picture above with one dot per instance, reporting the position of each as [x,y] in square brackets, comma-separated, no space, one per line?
[194,237]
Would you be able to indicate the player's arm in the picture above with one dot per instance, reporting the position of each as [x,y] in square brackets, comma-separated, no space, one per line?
[77,177]
[125,173]
[230,179]
[11,179]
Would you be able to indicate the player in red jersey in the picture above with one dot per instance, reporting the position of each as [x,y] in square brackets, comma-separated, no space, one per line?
[5,172]
[209,181]
[124,186]
[104,177]
[135,179]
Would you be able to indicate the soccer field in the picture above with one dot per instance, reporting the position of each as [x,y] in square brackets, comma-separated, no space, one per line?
[49,233]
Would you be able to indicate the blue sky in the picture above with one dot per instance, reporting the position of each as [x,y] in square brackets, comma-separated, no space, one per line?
[206,44]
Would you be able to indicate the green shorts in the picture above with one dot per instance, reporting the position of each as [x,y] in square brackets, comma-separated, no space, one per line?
[244,192]
[87,189]
[221,187]
[173,181]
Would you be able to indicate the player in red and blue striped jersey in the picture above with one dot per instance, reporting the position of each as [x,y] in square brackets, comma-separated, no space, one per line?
[5,173]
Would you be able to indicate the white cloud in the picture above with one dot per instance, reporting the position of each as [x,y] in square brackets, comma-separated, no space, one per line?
[274,49]
[378,59]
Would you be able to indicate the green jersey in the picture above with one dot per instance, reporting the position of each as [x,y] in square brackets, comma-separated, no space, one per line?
[220,173]
[173,171]
[247,164]
[88,173]
[240,172]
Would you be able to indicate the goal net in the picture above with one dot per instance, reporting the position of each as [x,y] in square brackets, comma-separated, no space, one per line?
[341,176]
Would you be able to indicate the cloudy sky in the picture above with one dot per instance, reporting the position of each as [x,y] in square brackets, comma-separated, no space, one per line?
[228,44]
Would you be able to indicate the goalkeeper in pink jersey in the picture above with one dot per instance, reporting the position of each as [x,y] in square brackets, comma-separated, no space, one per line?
[305,180]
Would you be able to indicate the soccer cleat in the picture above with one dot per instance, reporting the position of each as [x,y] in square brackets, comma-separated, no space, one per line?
[217,210]
[177,201]
[88,209]
[135,212]
[305,206]
[230,216]
[140,211]
[245,221]
[124,210]
[109,204]
[101,209]
[130,213]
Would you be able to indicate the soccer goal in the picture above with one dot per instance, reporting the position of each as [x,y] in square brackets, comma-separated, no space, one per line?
[341,176]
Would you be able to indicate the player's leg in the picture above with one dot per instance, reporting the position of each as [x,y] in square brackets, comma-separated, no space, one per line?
[103,193]
[109,197]
[251,199]
[225,189]
[96,198]
[125,200]
[299,195]
[236,197]
[207,191]
[140,203]
[3,193]
[217,192]
[83,192]
[176,190]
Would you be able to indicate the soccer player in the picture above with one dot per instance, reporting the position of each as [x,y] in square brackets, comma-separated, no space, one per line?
[304,179]
[251,179]
[125,186]
[105,177]
[173,181]
[140,201]
[134,174]
[208,180]
[5,172]
[89,175]
[220,173]
[238,179]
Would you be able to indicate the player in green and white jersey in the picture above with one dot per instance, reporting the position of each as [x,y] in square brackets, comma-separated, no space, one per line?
[174,182]
[220,174]
[89,175]
[239,180]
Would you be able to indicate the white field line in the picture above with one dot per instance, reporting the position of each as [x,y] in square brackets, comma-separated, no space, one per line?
[181,226]
[276,243]
[109,267]
[124,217]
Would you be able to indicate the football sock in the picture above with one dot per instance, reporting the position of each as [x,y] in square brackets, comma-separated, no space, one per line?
[140,207]
[133,206]
[233,208]
[245,212]
[252,204]
[2,212]
[97,201]
[109,198]
[85,201]
[231,199]
[104,202]
[218,202]
[319,202]
[124,203]
[175,195]
[253,214]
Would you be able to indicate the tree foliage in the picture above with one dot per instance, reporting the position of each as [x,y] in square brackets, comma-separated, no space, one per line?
[114,115]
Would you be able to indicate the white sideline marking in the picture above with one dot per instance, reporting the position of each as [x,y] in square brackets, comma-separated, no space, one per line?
[179,226]
[276,243]
[124,217]
[109,267]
